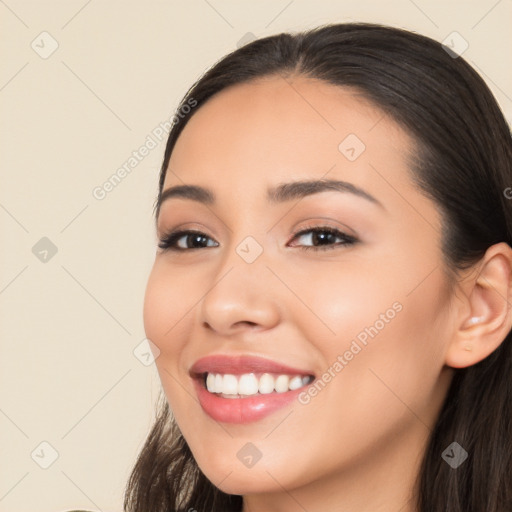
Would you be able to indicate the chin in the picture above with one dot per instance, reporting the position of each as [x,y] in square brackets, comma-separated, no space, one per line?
[242,484]
[233,478]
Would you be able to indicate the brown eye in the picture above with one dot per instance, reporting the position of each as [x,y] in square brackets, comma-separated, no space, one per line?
[186,240]
[322,238]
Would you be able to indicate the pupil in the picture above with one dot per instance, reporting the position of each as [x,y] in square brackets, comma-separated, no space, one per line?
[197,240]
[322,238]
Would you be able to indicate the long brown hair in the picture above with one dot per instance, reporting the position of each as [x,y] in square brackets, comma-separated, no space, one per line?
[464,163]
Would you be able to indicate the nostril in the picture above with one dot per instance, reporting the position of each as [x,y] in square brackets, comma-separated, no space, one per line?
[208,326]
[245,322]
[241,323]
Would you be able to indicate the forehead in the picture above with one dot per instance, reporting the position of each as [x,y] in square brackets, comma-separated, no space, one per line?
[255,135]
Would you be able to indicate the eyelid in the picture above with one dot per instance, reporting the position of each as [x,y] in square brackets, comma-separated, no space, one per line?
[185,226]
[320,223]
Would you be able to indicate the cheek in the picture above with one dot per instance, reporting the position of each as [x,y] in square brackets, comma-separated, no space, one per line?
[165,322]
[154,300]
[339,299]
[402,363]
[377,329]
[165,308]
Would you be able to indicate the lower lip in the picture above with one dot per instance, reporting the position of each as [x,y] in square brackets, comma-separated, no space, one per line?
[242,410]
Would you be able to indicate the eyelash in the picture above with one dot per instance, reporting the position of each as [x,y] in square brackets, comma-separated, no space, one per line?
[168,242]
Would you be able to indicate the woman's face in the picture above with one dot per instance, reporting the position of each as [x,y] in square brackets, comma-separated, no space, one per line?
[363,308]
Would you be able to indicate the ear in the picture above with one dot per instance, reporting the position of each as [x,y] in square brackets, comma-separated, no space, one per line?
[485,318]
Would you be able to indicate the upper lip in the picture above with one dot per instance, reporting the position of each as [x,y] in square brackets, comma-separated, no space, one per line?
[240,364]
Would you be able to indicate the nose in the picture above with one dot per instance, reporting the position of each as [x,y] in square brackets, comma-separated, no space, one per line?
[240,297]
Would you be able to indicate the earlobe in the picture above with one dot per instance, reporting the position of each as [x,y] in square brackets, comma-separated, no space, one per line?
[487,298]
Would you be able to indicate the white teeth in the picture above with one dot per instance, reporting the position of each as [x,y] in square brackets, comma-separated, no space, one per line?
[295,382]
[210,382]
[266,384]
[281,384]
[248,384]
[218,384]
[232,386]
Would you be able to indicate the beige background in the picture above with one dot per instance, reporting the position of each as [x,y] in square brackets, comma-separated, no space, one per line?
[71,322]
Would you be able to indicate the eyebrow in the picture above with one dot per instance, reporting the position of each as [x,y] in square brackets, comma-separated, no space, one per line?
[279,194]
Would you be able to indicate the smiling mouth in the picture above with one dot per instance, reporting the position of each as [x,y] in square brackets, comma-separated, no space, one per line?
[250,384]
[244,389]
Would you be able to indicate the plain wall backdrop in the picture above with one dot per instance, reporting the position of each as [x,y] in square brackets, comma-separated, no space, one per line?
[84,84]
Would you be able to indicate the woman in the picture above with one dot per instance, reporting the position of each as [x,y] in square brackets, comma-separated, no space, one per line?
[330,295]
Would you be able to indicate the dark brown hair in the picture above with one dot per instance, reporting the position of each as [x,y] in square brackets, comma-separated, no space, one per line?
[463,162]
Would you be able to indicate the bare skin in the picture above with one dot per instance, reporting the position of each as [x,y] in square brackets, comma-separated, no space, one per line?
[358,442]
